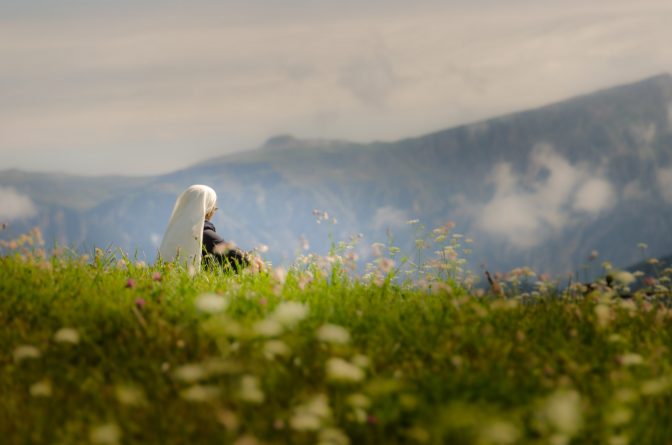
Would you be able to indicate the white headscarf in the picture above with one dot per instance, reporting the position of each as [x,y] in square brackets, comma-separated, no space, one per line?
[184,236]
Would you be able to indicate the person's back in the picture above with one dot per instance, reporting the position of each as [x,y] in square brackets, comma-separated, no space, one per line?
[191,236]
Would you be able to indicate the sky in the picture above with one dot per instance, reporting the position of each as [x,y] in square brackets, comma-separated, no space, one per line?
[146,87]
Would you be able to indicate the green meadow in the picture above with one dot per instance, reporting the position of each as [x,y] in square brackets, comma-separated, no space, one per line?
[108,350]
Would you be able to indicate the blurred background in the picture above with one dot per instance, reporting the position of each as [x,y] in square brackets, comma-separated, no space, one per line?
[544,131]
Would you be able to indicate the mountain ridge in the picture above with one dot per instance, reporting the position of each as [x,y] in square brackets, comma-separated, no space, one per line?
[613,145]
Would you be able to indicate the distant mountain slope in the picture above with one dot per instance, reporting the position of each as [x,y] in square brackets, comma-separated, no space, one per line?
[541,188]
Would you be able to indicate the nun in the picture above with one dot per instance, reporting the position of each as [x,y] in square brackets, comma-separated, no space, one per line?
[191,238]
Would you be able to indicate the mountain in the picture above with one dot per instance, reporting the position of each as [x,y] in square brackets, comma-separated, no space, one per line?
[542,188]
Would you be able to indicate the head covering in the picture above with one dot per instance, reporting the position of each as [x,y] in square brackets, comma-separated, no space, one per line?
[184,235]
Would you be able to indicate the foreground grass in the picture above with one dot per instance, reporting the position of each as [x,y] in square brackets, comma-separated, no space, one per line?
[125,353]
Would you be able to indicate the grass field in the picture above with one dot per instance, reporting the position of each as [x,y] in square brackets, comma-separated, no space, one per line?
[106,351]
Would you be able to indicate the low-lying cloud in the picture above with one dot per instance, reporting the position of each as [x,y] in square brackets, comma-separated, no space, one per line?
[552,195]
[14,205]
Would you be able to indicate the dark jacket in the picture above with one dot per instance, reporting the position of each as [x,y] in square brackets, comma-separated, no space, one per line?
[230,258]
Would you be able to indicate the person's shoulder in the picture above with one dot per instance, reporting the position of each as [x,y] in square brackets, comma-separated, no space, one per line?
[207,225]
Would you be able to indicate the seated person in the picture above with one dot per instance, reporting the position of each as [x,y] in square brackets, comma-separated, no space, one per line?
[191,238]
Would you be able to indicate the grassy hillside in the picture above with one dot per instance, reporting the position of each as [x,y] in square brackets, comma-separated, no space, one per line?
[106,351]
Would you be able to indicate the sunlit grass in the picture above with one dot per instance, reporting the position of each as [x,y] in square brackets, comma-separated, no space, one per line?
[109,350]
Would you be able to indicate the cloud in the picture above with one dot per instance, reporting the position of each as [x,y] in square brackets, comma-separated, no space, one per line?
[87,88]
[14,205]
[370,78]
[389,217]
[553,194]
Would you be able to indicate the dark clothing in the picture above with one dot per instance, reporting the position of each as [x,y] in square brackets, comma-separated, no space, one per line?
[230,258]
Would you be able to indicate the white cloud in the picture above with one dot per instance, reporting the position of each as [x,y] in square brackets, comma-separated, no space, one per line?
[594,196]
[389,217]
[14,205]
[551,195]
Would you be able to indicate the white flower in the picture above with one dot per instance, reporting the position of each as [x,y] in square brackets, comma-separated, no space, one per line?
[67,335]
[499,432]
[332,436]
[250,391]
[331,333]
[106,434]
[339,370]
[130,395]
[563,412]
[211,303]
[200,393]
[310,415]
[25,352]
[263,248]
[41,389]
[190,373]
[624,277]
[267,328]
[273,348]
[631,359]
[289,313]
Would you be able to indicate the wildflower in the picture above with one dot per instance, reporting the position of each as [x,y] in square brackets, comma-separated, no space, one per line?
[339,370]
[499,432]
[156,276]
[140,303]
[67,335]
[593,255]
[332,436]
[267,328]
[386,265]
[602,315]
[562,412]
[279,274]
[273,348]
[377,249]
[657,386]
[25,352]
[649,281]
[305,245]
[41,389]
[200,393]
[130,283]
[130,395]
[331,333]
[229,419]
[624,277]
[105,434]
[121,264]
[190,373]
[631,359]
[211,303]
[247,440]
[250,391]
[310,415]
[289,313]
[140,264]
